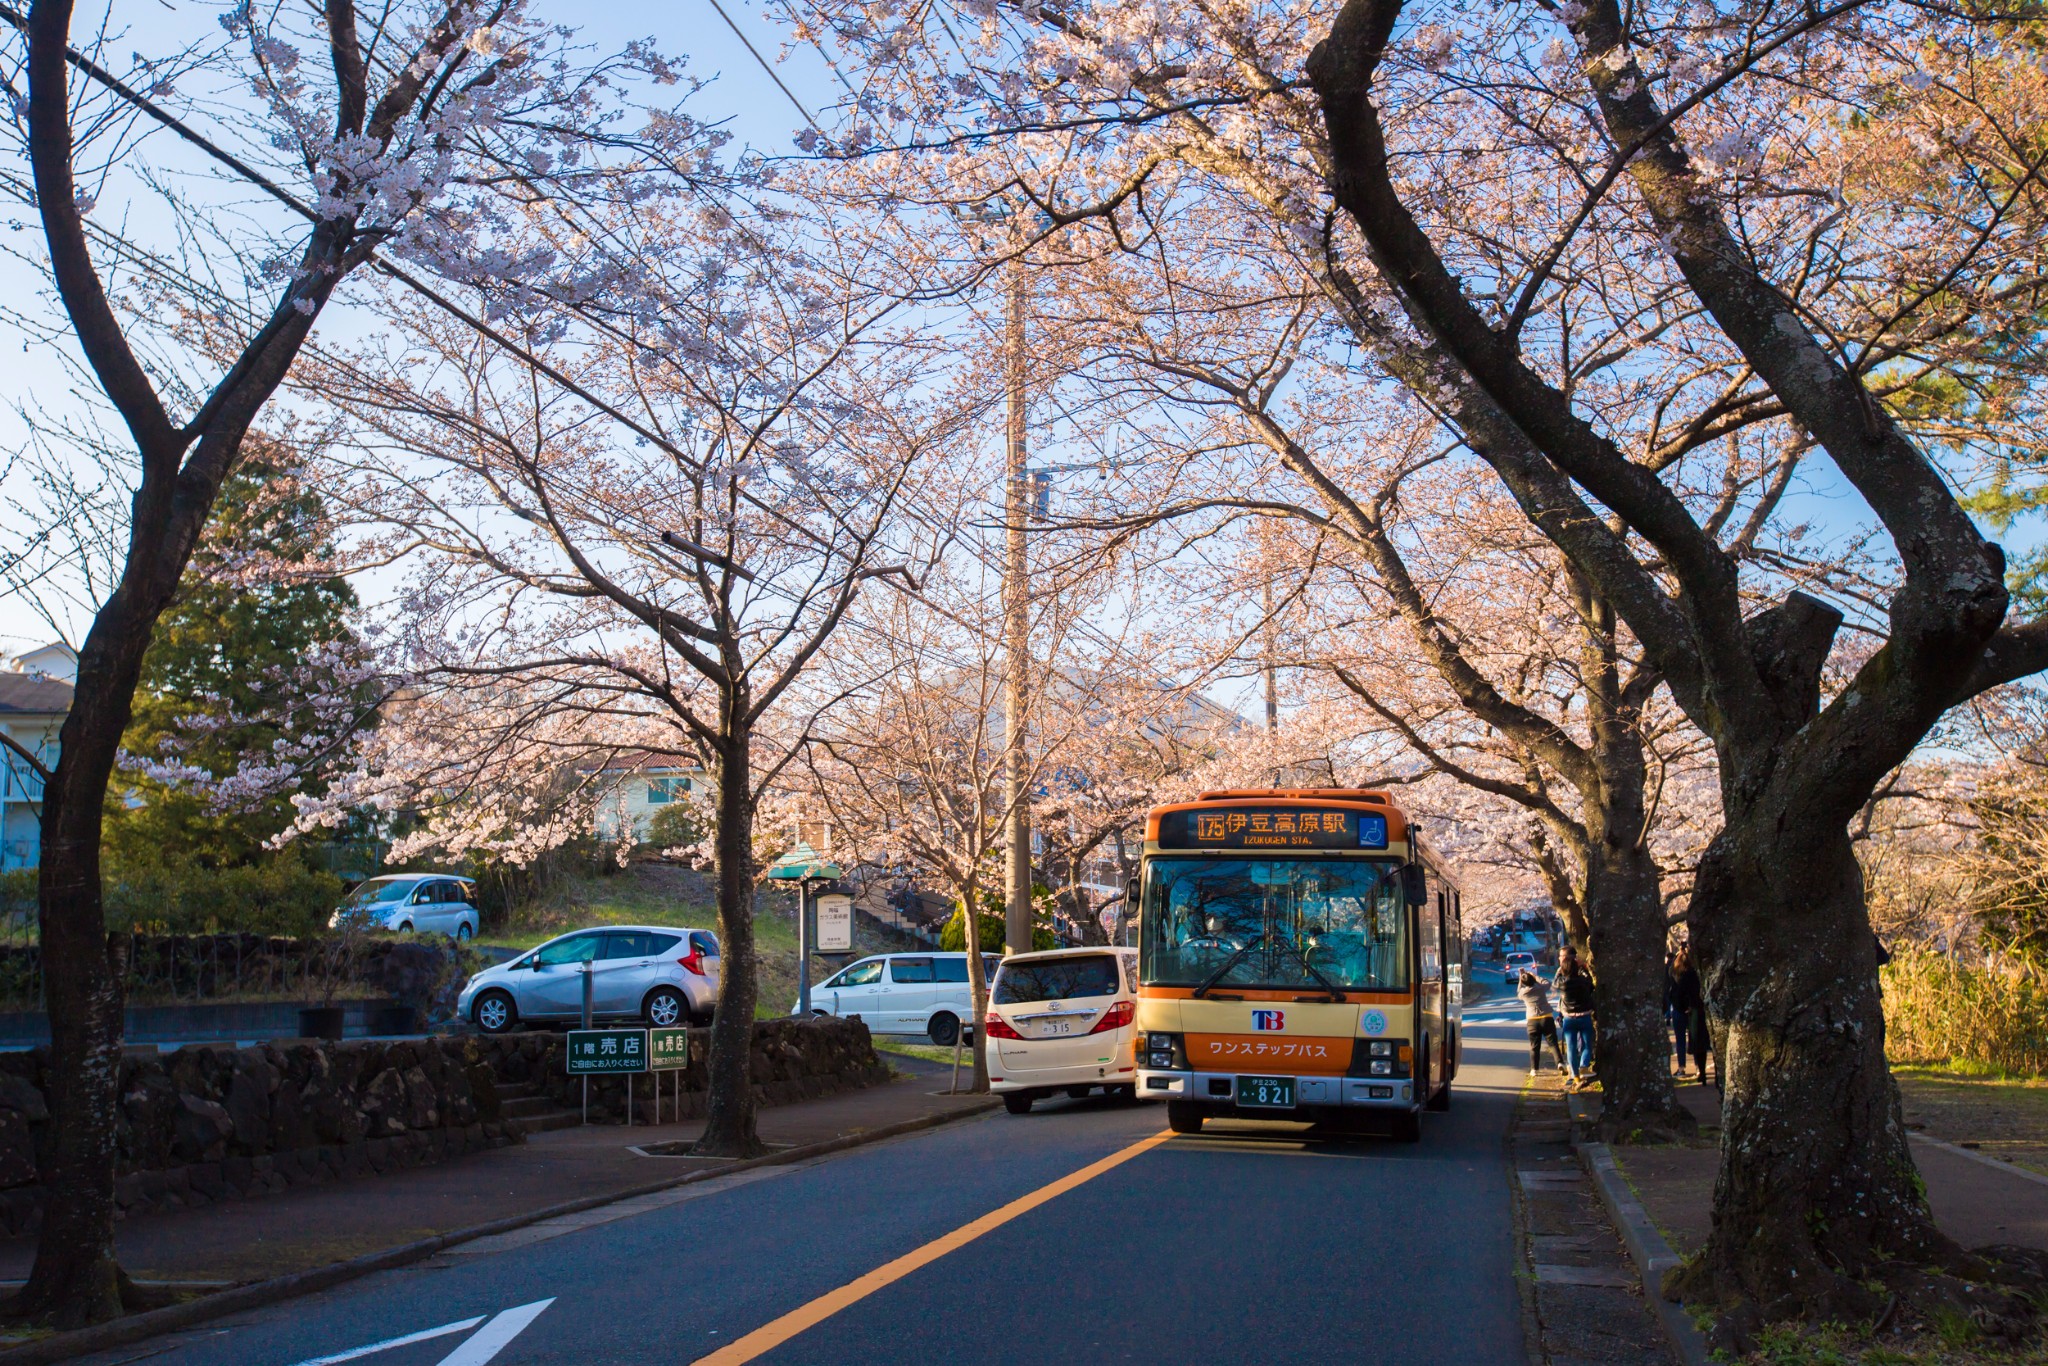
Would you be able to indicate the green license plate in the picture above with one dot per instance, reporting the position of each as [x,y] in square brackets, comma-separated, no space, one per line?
[1272,1093]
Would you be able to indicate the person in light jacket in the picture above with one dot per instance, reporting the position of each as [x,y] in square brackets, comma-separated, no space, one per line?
[1542,1024]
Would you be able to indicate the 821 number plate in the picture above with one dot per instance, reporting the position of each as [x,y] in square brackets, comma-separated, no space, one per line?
[1271,1093]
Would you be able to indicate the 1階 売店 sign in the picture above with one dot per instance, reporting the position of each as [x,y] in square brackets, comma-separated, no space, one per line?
[595,1051]
[668,1050]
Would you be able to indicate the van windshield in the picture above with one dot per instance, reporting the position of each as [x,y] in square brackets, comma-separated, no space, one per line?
[1057,979]
[1275,923]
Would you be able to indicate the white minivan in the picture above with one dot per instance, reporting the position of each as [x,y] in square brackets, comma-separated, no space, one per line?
[903,993]
[1062,1021]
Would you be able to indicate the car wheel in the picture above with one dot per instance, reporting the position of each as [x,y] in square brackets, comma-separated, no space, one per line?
[666,1008]
[944,1029]
[494,1012]
[1078,1092]
[1017,1102]
[1184,1118]
[405,927]
[462,932]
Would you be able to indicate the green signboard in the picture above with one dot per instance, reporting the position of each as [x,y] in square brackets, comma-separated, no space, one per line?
[607,1050]
[668,1049]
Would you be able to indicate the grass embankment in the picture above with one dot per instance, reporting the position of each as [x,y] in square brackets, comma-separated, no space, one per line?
[659,894]
[1942,1013]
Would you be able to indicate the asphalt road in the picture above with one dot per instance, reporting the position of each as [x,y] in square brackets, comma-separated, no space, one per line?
[1249,1244]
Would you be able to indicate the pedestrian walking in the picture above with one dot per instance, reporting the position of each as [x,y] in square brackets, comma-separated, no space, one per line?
[1683,1001]
[1574,988]
[1542,1024]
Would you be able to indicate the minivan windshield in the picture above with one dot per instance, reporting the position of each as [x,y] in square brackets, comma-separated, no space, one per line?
[381,889]
[1299,923]
[1057,979]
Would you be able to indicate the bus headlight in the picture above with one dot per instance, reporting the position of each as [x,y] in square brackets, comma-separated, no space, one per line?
[1382,1067]
[1158,1050]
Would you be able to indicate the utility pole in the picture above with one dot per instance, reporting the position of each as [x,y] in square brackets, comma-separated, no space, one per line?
[1269,631]
[1016,638]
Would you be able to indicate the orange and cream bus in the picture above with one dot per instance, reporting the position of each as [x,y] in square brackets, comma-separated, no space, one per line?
[1299,957]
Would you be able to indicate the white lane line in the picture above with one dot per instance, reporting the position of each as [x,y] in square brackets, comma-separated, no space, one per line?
[492,1337]
[387,1344]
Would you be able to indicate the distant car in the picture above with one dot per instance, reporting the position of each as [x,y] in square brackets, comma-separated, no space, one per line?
[1062,1021]
[437,902]
[1517,963]
[903,993]
[663,976]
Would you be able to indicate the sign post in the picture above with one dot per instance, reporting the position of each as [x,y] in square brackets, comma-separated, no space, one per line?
[803,865]
[668,1050]
[604,1052]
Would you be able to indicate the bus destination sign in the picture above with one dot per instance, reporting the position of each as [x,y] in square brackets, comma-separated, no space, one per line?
[1254,827]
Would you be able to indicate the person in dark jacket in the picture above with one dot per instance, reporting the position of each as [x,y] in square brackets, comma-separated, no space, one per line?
[1574,988]
[1542,1027]
[1682,1001]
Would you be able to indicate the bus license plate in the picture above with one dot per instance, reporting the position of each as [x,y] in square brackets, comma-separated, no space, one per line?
[1273,1093]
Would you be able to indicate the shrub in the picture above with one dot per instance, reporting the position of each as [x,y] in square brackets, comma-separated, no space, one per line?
[1940,1011]
[673,827]
[281,896]
[953,936]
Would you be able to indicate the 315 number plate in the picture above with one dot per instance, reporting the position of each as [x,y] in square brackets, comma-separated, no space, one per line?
[1271,1093]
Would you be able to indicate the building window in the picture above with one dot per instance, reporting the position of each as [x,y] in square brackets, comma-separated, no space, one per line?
[661,791]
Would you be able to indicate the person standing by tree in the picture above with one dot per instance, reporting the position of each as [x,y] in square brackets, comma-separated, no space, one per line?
[1542,1025]
[1574,987]
[1682,1002]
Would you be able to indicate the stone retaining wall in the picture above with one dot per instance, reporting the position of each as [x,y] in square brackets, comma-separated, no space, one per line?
[214,1123]
[793,1060]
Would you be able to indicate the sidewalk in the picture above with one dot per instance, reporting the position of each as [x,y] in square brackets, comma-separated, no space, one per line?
[1976,1200]
[308,1227]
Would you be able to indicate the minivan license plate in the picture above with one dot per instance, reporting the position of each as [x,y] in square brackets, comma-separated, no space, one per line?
[1273,1093]
[1051,1027]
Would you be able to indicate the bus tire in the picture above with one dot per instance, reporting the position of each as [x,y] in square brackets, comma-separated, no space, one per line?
[1407,1127]
[1440,1099]
[1184,1118]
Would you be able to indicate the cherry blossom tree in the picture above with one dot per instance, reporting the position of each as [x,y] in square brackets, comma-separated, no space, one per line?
[400,144]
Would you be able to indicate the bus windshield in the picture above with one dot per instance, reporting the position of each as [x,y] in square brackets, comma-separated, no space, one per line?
[1301,923]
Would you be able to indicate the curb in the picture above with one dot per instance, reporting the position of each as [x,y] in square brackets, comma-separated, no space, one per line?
[1646,1246]
[1997,1164]
[255,1295]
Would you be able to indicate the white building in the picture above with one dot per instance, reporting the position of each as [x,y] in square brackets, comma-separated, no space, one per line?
[638,783]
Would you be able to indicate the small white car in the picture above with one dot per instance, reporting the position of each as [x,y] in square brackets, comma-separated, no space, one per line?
[438,902]
[1518,963]
[1062,1021]
[903,993]
[659,975]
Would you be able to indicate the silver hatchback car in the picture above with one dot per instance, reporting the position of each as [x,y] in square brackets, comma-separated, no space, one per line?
[660,975]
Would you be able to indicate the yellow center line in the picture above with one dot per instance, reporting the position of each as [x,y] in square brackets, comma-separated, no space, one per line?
[771,1335]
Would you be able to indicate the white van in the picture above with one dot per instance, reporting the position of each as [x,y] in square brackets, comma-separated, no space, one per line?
[903,993]
[1062,1021]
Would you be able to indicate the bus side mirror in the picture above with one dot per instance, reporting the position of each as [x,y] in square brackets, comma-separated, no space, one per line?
[1415,884]
[1131,897]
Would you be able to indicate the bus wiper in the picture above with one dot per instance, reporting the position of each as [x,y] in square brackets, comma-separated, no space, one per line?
[1228,964]
[1311,969]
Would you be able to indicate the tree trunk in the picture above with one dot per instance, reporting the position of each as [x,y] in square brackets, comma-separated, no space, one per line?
[729,1121]
[977,985]
[75,1279]
[1632,1053]
[1817,1192]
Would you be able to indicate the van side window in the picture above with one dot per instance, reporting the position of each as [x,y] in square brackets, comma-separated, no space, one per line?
[859,975]
[910,969]
[949,970]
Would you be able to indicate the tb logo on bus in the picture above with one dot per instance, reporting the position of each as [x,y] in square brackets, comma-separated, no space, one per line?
[1269,1019]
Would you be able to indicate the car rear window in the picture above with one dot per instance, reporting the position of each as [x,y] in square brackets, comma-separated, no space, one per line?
[702,941]
[1057,979]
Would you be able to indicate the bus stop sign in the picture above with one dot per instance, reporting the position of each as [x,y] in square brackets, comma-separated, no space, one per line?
[835,923]
[596,1051]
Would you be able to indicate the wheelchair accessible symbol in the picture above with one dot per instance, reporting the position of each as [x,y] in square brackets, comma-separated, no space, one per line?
[1374,1022]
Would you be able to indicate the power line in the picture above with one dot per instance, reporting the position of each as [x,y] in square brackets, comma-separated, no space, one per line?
[767,68]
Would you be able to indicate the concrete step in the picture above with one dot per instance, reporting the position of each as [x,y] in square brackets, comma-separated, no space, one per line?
[517,1090]
[542,1123]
